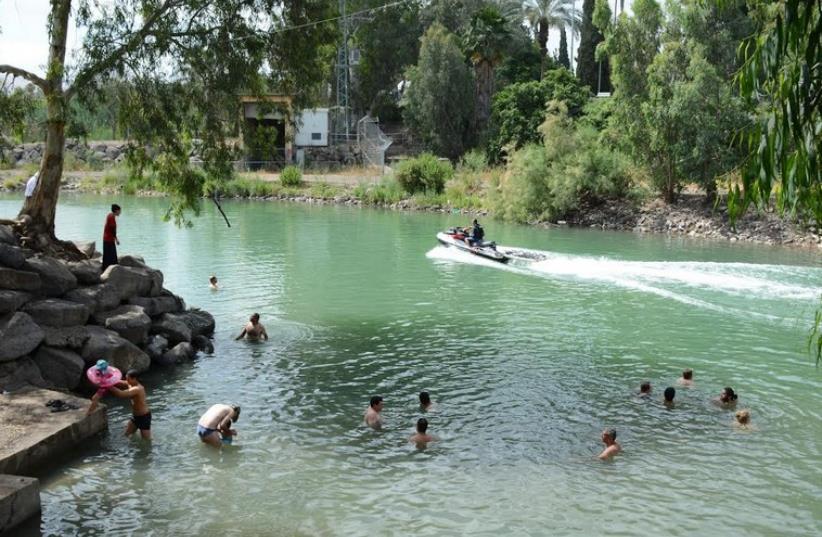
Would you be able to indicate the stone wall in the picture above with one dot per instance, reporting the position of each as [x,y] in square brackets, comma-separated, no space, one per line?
[94,154]
[58,318]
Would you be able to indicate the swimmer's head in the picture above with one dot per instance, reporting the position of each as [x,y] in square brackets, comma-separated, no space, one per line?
[425,399]
[236,414]
[609,435]
[376,402]
[132,377]
[422,425]
[670,393]
[255,318]
[688,374]
[213,279]
[743,417]
[728,395]
[645,387]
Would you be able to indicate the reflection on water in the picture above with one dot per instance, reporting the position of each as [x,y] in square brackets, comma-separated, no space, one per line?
[526,364]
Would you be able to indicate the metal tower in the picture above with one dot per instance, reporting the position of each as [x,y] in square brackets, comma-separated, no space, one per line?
[342,123]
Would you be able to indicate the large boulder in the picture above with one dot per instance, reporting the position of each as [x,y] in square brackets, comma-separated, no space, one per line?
[201,323]
[61,368]
[19,374]
[155,306]
[56,312]
[56,279]
[87,272]
[7,235]
[157,346]
[19,280]
[181,352]
[130,322]
[19,335]
[73,337]
[131,260]
[12,300]
[171,328]
[86,247]
[100,297]
[107,345]
[12,256]
[202,343]
[129,281]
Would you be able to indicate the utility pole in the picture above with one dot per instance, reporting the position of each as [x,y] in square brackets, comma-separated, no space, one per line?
[342,124]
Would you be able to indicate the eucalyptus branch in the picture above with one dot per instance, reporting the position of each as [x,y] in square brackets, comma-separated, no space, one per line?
[22,73]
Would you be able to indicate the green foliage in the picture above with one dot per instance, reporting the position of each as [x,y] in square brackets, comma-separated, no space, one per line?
[587,67]
[425,173]
[438,105]
[291,176]
[523,63]
[473,161]
[546,14]
[547,182]
[563,49]
[383,193]
[16,106]
[519,109]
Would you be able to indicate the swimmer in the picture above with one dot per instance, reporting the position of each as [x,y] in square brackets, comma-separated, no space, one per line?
[254,330]
[743,419]
[668,397]
[212,283]
[611,445]
[727,398]
[425,401]
[687,378]
[218,418]
[140,413]
[645,389]
[372,413]
[421,438]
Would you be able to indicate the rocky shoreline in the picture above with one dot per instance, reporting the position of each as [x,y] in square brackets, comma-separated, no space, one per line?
[57,318]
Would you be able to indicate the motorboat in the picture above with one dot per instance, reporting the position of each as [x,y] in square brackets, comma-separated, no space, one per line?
[456,237]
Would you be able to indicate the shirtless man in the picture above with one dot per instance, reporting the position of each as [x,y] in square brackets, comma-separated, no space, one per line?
[687,378]
[372,414]
[421,438]
[611,445]
[254,329]
[425,402]
[140,414]
[217,418]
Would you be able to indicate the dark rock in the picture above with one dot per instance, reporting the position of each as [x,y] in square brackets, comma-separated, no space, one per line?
[131,260]
[56,279]
[171,328]
[107,345]
[87,272]
[12,256]
[200,322]
[130,322]
[19,335]
[19,280]
[97,297]
[202,343]
[12,300]
[56,312]
[19,374]
[179,353]
[73,337]
[7,236]
[157,346]
[61,368]
[129,281]
[155,306]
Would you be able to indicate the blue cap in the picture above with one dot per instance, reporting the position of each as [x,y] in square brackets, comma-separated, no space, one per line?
[102,365]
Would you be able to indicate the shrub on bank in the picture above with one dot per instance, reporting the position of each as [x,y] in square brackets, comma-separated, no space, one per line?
[382,193]
[291,176]
[425,173]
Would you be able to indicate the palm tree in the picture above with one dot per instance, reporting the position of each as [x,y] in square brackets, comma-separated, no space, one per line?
[544,14]
[485,42]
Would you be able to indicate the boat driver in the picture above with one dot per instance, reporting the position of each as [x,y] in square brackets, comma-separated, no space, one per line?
[476,234]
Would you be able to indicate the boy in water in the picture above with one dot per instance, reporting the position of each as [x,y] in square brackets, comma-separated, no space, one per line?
[421,438]
[668,397]
[141,415]
[687,378]
[743,419]
[212,283]
[645,389]
[727,398]
[425,401]
[372,413]
[611,445]
[254,330]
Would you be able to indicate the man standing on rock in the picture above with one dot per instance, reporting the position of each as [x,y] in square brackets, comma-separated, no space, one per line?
[217,418]
[110,240]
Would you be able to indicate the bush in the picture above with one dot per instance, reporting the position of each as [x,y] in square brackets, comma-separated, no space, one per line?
[383,193]
[291,176]
[425,173]
[473,161]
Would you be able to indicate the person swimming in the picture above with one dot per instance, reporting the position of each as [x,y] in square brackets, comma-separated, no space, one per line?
[668,396]
[254,330]
[425,401]
[612,447]
[212,282]
[687,378]
[645,389]
[743,418]
[372,414]
[727,398]
[421,438]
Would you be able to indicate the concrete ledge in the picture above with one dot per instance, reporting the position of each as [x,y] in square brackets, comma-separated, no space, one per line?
[19,501]
[32,434]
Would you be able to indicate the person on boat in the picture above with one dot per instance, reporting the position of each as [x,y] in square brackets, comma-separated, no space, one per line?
[687,378]
[727,398]
[372,413]
[421,437]
[611,445]
[425,401]
[668,396]
[474,233]
[254,329]
[645,389]
[217,419]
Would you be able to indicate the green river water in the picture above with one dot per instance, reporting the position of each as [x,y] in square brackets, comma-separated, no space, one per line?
[526,365]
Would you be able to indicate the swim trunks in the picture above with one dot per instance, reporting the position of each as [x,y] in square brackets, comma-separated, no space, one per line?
[142,422]
[202,432]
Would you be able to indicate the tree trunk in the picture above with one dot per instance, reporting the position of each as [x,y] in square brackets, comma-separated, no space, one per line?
[542,36]
[484,91]
[38,211]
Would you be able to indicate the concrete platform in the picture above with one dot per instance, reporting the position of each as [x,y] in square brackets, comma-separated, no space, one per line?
[19,501]
[31,434]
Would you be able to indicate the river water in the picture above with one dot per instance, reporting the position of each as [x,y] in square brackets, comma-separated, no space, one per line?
[526,365]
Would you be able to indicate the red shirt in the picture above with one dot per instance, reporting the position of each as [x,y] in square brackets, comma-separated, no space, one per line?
[110,231]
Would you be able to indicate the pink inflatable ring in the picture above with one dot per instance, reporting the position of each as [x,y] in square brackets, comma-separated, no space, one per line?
[103,375]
